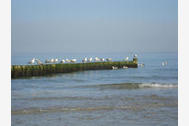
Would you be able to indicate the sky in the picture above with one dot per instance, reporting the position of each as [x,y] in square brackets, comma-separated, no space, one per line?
[83,26]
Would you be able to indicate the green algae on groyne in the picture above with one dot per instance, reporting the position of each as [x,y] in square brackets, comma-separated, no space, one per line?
[18,71]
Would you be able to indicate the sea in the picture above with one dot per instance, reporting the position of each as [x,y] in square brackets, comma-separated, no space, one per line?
[143,96]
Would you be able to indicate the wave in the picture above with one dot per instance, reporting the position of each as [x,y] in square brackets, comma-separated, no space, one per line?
[155,77]
[158,86]
[72,109]
[130,86]
[135,108]
[59,109]
[58,98]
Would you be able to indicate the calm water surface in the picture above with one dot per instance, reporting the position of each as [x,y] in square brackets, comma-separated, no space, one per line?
[143,96]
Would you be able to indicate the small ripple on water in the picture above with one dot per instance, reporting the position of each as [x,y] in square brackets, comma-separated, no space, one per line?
[133,107]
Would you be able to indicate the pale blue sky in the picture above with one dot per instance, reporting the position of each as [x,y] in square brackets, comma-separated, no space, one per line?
[94,26]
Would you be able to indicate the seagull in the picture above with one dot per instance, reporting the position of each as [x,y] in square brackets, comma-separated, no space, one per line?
[52,61]
[32,61]
[163,64]
[62,61]
[135,55]
[125,67]
[56,60]
[114,67]
[90,59]
[102,59]
[73,60]
[109,59]
[84,60]
[39,62]
[141,65]
[68,61]
[166,62]
[97,59]
[127,58]
[47,61]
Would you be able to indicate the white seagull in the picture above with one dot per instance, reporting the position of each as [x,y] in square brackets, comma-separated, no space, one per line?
[127,58]
[125,67]
[109,59]
[97,59]
[90,59]
[52,61]
[39,62]
[32,61]
[68,61]
[62,61]
[47,61]
[102,59]
[73,60]
[84,60]
[56,60]
[114,67]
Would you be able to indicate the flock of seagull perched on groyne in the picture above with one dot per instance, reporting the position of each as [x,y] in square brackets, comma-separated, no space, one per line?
[49,66]
[85,60]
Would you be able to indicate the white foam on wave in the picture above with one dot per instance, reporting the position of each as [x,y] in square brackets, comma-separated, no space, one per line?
[158,85]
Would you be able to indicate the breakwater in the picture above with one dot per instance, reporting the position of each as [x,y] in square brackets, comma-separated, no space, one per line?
[18,71]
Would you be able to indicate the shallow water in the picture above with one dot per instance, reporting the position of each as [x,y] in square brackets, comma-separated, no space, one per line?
[142,96]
